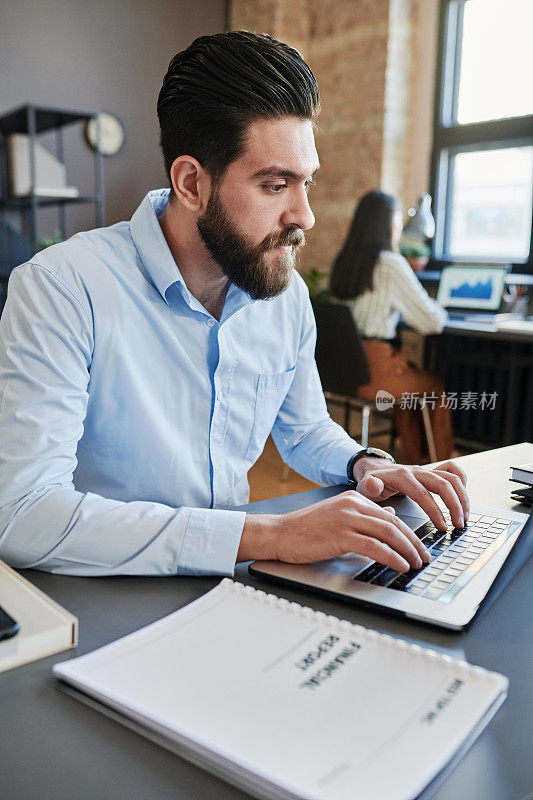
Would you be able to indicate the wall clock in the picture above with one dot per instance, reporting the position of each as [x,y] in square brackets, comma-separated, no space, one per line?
[112,133]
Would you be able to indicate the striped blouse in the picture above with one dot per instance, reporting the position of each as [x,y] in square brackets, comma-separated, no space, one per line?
[396,293]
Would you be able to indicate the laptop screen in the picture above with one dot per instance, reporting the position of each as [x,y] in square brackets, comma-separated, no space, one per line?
[471,287]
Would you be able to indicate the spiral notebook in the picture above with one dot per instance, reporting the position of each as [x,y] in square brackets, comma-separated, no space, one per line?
[286,702]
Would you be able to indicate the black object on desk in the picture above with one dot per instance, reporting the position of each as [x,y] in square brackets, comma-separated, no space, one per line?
[523,495]
[8,626]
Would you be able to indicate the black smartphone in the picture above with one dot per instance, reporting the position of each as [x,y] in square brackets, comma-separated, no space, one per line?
[8,626]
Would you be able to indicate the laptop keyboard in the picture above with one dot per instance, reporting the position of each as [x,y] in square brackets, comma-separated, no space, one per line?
[456,556]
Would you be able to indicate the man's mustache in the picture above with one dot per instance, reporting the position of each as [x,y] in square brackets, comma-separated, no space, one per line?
[293,238]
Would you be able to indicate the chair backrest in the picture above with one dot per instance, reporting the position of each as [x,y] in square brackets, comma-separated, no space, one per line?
[340,355]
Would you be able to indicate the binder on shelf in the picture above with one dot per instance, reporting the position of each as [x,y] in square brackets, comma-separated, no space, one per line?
[286,702]
[45,627]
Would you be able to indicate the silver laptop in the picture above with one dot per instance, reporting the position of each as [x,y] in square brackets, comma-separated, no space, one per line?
[472,291]
[447,592]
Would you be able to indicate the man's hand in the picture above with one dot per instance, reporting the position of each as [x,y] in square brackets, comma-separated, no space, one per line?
[347,523]
[378,479]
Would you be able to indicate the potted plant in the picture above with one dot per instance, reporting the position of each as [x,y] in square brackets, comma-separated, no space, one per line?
[48,241]
[416,253]
[316,280]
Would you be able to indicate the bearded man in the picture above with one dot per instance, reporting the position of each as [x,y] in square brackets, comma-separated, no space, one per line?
[144,365]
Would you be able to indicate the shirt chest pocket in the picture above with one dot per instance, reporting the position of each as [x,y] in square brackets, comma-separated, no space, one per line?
[272,388]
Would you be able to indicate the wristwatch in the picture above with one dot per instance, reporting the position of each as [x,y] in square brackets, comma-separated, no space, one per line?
[371,452]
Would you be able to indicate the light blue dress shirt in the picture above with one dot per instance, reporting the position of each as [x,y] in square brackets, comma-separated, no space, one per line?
[129,416]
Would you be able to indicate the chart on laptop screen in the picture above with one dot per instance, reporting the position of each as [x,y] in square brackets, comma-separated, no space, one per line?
[472,287]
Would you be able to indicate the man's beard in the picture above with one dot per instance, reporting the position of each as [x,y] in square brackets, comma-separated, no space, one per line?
[243,262]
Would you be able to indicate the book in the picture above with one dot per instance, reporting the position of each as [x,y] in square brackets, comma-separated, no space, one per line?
[45,627]
[285,702]
[523,474]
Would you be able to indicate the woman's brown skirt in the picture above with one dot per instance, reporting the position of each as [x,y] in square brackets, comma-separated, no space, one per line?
[389,371]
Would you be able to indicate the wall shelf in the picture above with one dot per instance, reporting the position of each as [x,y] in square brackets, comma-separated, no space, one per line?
[34,120]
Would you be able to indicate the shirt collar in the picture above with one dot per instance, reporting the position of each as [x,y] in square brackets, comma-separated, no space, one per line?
[151,244]
[155,254]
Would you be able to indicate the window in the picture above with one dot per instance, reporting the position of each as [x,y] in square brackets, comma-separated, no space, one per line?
[482,170]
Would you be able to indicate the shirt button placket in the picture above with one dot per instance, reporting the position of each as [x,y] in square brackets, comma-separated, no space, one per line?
[223,376]
[217,431]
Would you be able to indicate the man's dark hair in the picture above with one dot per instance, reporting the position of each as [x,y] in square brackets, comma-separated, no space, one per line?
[220,84]
[370,233]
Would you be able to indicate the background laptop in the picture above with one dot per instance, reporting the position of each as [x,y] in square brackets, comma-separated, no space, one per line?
[447,592]
[470,290]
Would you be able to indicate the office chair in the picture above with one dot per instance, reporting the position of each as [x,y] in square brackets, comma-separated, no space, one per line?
[342,365]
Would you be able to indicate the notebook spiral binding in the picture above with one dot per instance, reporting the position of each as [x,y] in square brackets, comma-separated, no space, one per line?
[461,667]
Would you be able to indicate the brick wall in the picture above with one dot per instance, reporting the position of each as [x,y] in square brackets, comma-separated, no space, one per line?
[397,93]
[374,62]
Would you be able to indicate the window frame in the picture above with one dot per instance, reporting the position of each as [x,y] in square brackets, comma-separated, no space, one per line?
[450,137]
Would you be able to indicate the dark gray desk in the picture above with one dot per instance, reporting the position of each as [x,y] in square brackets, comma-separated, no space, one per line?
[480,357]
[477,356]
[55,748]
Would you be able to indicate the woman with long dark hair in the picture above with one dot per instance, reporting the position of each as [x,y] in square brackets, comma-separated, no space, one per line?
[379,286]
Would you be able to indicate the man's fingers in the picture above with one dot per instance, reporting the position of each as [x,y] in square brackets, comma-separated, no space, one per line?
[443,487]
[458,486]
[342,524]
[371,548]
[388,515]
[384,530]
[404,479]
[361,515]
[373,487]
[416,490]
[451,466]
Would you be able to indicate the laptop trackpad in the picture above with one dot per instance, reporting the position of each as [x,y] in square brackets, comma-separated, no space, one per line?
[408,511]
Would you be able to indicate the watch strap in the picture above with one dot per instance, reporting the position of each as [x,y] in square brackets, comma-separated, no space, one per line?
[349,470]
[361,454]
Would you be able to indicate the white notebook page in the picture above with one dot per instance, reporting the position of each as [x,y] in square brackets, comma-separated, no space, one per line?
[310,703]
